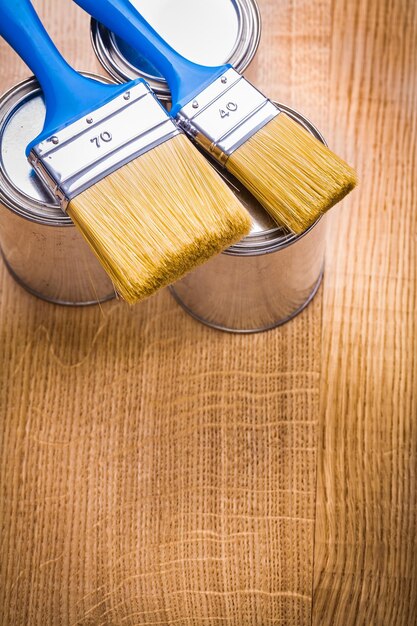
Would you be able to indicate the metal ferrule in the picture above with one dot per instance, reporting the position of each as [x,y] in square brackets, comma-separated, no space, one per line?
[226,114]
[96,145]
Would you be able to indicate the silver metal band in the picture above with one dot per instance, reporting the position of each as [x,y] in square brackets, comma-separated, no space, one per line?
[226,114]
[94,146]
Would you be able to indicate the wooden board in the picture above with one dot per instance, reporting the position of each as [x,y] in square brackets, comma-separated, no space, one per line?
[366,552]
[154,471]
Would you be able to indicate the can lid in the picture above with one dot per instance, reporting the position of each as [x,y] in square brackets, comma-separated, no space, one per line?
[236,23]
[22,114]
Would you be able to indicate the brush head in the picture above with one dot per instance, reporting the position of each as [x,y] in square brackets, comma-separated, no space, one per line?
[292,174]
[155,219]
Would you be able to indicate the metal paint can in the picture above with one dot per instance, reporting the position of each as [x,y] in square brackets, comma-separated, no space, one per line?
[263,281]
[40,245]
[236,25]
[271,276]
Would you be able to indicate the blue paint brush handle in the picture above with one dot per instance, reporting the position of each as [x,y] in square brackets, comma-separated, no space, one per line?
[185,78]
[68,95]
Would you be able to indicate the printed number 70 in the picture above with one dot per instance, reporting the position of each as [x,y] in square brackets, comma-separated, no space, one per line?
[106,137]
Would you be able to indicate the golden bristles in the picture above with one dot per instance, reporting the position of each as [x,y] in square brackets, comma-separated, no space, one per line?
[292,174]
[158,217]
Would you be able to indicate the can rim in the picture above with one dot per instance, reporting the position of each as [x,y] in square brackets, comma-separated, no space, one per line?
[115,63]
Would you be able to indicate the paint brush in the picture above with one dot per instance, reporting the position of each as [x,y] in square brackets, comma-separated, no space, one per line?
[294,176]
[144,198]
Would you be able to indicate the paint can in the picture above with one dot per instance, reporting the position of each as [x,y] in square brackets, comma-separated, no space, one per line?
[40,245]
[264,280]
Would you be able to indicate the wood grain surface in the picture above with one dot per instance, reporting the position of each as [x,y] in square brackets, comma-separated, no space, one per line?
[156,472]
[366,548]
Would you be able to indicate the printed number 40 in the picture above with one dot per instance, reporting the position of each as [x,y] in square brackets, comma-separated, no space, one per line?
[231,107]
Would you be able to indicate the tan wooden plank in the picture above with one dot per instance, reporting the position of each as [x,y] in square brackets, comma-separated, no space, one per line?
[365,559]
